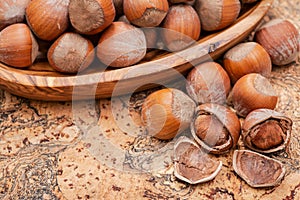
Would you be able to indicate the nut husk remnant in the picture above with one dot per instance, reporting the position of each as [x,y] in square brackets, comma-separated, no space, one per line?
[256,169]
[266,131]
[216,128]
[192,165]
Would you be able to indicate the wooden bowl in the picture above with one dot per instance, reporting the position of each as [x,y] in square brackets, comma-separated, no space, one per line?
[41,82]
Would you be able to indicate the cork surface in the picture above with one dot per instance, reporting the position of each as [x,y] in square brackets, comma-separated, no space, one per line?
[99,149]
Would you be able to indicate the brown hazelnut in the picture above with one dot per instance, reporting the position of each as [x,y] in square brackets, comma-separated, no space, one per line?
[192,165]
[12,11]
[121,45]
[246,58]
[208,83]
[71,53]
[256,169]
[48,19]
[145,13]
[216,15]
[18,47]
[91,17]
[216,128]
[251,92]
[266,131]
[281,39]
[167,112]
[181,27]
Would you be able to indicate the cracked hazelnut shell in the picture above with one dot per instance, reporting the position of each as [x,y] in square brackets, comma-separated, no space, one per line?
[208,83]
[167,112]
[266,131]
[145,13]
[251,92]
[256,169]
[216,128]
[192,165]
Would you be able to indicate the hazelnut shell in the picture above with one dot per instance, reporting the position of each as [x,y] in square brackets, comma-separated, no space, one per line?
[216,15]
[18,47]
[246,58]
[91,17]
[48,19]
[145,13]
[177,32]
[260,116]
[208,83]
[281,39]
[252,91]
[193,165]
[228,119]
[256,169]
[121,45]
[167,112]
[71,53]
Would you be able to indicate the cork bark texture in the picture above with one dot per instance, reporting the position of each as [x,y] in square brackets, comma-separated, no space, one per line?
[98,149]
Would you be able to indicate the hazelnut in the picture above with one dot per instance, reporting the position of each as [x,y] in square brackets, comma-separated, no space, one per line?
[145,13]
[71,53]
[281,39]
[208,82]
[48,19]
[91,17]
[121,45]
[252,91]
[18,47]
[167,112]
[216,128]
[216,15]
[266,131]
[12,11]
[256,169]
[192,165]
[246,58]
[181,27]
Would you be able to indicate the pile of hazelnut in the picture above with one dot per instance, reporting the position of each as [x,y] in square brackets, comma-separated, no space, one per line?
[117,32]
[216,95]
[224,101]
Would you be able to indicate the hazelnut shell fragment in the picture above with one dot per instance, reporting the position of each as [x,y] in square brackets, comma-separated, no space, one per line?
[266,131]
[256,169]
[192,165]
